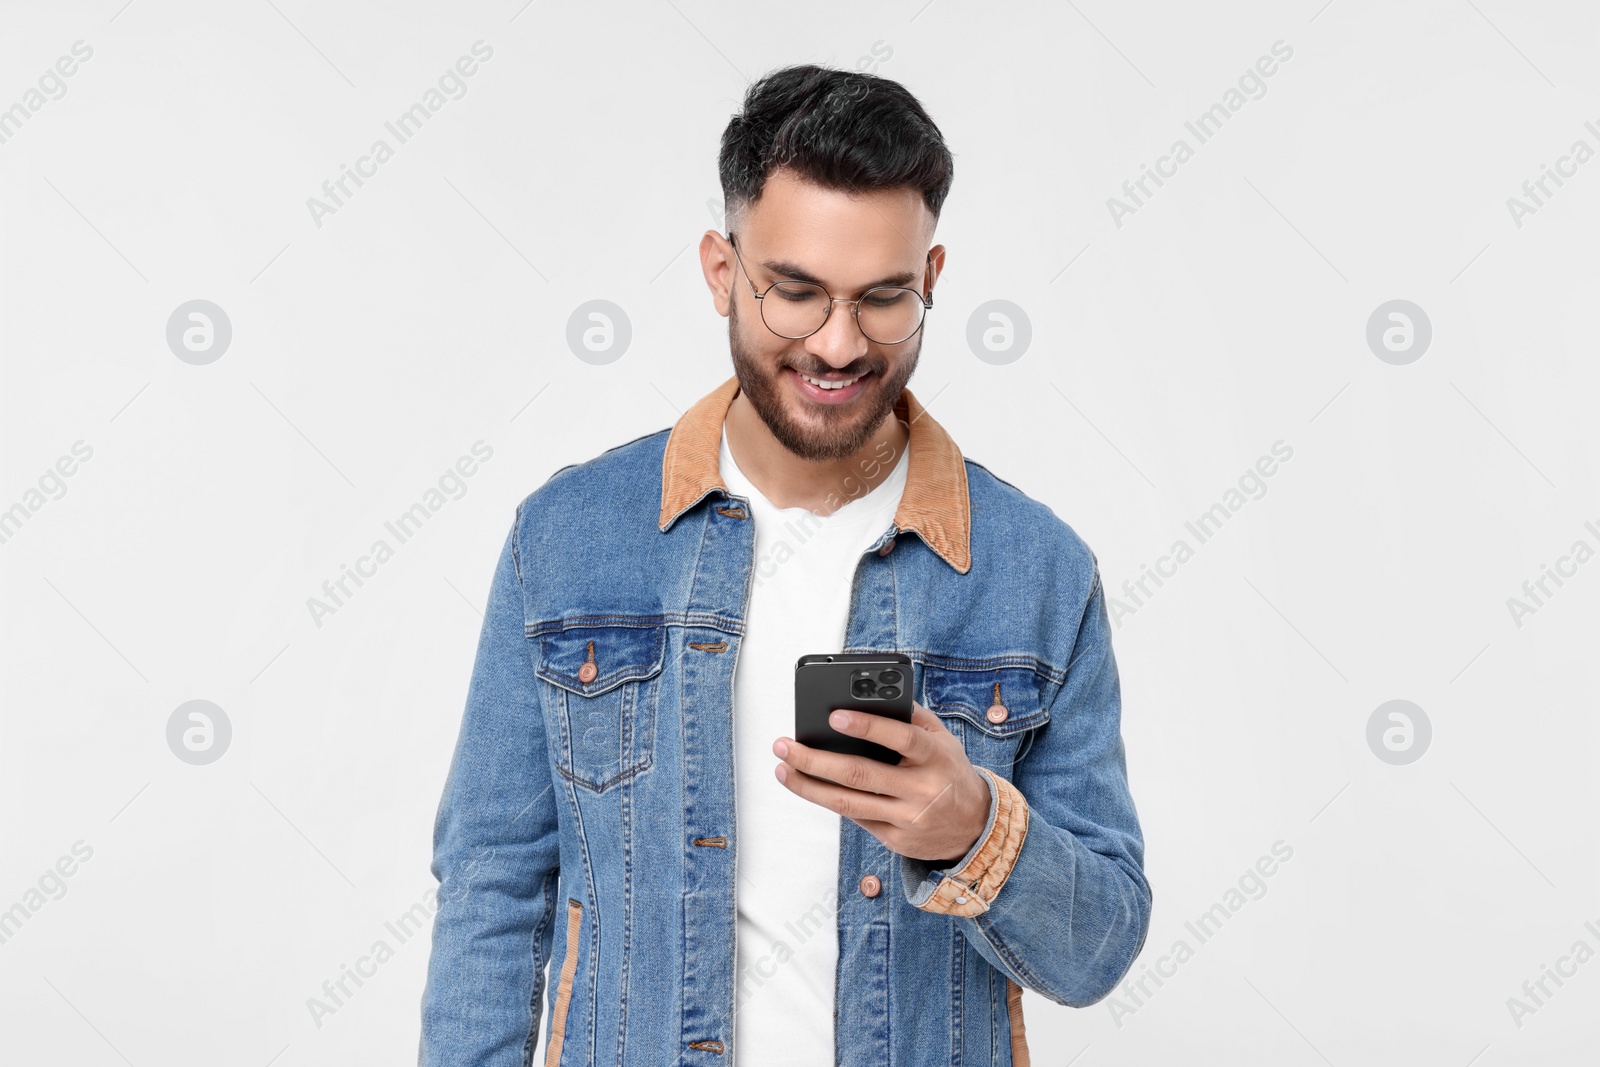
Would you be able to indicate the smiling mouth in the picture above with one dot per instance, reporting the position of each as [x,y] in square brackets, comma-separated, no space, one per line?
[832,381]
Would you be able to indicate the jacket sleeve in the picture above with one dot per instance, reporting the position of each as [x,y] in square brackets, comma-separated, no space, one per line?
[1053,893]
[495,854]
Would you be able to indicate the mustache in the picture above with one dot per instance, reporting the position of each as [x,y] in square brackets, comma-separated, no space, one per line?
[823,372]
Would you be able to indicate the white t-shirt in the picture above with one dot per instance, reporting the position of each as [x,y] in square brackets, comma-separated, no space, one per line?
[788,848]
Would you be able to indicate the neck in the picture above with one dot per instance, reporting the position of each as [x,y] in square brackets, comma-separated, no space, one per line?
[820,486]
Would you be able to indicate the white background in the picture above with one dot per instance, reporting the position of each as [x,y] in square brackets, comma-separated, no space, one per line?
[1167,354]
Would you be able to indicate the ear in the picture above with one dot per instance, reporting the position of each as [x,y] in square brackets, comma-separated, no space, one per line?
[936,258]
[716,263]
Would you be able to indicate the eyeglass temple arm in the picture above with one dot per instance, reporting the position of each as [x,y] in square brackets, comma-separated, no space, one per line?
[740,261]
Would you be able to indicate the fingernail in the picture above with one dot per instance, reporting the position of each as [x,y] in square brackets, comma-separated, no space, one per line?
[781,749]
[839,720]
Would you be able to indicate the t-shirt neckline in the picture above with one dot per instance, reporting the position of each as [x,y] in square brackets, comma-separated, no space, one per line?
[852,512]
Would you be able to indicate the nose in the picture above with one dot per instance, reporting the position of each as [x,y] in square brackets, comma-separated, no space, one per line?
[840,341]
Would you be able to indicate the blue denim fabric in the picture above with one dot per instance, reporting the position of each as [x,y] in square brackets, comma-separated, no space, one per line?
[605,806]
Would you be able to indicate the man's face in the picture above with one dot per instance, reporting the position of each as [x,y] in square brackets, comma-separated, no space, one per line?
[799,231]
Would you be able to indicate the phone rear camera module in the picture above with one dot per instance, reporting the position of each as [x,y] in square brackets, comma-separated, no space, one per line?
[862,687]
[889,677]
[889,692]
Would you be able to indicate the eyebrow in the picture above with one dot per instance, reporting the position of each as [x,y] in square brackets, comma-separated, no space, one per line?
[791,270]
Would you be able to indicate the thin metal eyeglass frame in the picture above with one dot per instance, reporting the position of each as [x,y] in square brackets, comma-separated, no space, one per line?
[855,305]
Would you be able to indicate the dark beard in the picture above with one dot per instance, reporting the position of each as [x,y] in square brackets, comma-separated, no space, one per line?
[846,428]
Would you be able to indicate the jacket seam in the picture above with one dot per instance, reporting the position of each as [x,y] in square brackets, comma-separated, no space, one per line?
[691,619]
[1030,980]
[958,990]
[624,978]
[516,545]
[987,663]
[536,1007]
[594,923]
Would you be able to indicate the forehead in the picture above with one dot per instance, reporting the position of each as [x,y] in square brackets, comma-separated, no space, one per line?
[843,237]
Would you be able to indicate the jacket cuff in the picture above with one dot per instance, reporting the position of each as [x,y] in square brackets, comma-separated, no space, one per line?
[971,885]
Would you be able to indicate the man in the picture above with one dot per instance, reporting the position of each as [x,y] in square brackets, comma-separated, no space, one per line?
[627,803]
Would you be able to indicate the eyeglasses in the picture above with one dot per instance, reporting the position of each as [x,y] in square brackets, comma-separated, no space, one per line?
[885,314]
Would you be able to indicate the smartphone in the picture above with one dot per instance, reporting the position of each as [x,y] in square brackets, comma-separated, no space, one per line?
[876,683]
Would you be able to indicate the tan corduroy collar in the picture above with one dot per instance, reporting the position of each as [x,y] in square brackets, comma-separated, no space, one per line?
[934,504]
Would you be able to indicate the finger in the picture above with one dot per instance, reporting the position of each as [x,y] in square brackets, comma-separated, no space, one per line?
[905,738]
[850,771]
[921,716]
[850,803]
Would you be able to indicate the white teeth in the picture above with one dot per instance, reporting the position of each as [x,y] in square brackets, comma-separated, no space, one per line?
[830,385]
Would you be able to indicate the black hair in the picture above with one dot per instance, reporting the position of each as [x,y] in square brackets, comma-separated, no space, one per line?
[841,129]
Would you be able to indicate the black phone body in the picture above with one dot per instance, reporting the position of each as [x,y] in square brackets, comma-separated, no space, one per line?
[874,683]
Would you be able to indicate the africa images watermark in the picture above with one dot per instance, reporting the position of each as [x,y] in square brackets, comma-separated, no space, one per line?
[1536,992]
[1566,167]
[337,592]
[820,918]
[405,126]
[1204,127]
[1135,993]
[52,485]
[51,886]
[336,992]
[1536,592]
[1252,485]
[52,86]
[797,531]
[417,919]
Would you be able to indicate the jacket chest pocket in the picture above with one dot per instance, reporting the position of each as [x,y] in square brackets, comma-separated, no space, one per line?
[970,702]
[607,682]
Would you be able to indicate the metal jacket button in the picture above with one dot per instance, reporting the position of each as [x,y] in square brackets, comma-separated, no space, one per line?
[887,548]
[870,886]
[998,713]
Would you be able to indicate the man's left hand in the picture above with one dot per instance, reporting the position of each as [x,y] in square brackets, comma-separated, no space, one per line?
[931,806]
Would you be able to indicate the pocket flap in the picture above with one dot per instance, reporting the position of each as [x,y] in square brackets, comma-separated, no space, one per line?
[970,693]
[620,653]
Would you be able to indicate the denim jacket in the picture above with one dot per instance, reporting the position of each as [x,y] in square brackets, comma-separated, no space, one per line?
[587,821]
